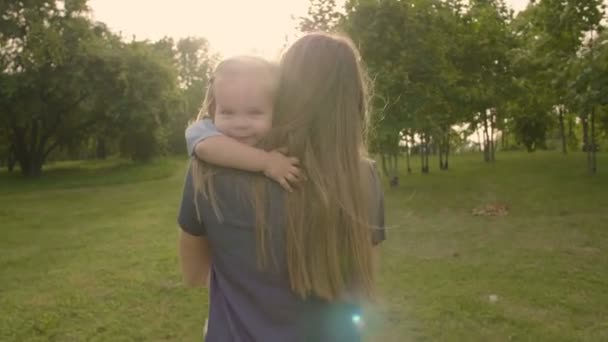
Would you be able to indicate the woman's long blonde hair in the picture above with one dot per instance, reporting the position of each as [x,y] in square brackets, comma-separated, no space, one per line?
[321,117]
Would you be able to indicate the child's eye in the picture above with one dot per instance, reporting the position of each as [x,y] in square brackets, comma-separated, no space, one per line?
[226,112]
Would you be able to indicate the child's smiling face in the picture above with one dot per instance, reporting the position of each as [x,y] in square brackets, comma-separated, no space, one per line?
[243,108]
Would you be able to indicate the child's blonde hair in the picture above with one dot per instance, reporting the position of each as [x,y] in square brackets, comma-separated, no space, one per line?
[236,67]
[253,67]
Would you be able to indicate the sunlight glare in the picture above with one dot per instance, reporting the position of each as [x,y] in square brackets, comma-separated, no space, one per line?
[231,26]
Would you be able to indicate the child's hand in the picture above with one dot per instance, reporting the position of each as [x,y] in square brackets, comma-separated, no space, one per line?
[282,169]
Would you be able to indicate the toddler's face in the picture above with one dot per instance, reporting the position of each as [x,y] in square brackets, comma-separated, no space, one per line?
[243,109]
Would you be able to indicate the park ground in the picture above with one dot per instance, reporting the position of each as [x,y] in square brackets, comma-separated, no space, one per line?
[88,253]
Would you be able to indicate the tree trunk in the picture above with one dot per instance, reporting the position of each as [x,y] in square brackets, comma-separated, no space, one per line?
[32,154]
[394,167]
[587,141]
[493,148]
[421,151]
[383,159]
[407,155]
[101,150]
[12,158]
[31,165]
[571,135]
[562,128]
[425,154]
[585,133]
[492,137]
[444,149]
[441,155]
[486,138]
[30,161]
[592,158]
[479,140]
[447,151]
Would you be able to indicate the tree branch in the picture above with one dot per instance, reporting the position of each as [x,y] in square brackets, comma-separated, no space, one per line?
[49,150]
[60,114]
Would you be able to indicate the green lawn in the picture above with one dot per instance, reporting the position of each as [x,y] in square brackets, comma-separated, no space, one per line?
[88,253]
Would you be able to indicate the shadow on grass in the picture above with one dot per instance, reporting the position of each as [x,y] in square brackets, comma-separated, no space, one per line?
[86,173]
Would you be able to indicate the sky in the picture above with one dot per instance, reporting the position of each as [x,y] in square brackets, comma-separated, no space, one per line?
[233,27]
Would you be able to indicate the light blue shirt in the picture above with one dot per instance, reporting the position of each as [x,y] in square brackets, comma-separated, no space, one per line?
[199,131]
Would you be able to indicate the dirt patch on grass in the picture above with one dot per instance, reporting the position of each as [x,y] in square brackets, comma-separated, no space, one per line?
[491,209]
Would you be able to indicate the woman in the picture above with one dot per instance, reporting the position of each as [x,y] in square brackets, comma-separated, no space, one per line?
[293,267]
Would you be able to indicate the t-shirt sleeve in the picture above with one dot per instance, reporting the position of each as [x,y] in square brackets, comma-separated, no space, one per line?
[199,131]
[379,231]
[187,217]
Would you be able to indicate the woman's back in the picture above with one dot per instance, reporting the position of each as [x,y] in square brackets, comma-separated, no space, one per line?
[248,303]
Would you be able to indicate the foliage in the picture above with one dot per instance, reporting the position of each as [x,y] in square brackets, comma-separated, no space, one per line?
[68,83]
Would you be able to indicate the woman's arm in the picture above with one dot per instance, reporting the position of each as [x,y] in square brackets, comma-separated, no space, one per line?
[195,259]
[193,245]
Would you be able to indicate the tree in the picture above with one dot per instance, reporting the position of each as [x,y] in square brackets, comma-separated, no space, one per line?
[109,77]
[142,81]
[194,62]
[192,59]
[553,32]
[323,15]
[530,108]
[589,91]
[65,79]
[375,27]
[150,98]
[487,67]
[45,64]
[6,153]
[414,53]
[530,122]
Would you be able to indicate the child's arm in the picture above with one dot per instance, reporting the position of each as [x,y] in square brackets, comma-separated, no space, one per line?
[206,143]
[225,151]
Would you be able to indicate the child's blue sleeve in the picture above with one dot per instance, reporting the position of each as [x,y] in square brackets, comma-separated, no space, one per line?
[199,131]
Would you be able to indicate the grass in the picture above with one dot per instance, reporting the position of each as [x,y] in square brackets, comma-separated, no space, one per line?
[74,174]
[546,261]
[88,253]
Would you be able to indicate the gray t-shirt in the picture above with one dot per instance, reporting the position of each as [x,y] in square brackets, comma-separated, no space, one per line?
[250,304]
